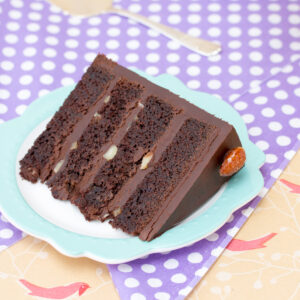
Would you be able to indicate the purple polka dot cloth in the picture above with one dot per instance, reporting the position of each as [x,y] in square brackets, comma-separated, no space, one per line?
[258,73]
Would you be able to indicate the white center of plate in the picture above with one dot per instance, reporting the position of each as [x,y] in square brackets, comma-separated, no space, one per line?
[63,213]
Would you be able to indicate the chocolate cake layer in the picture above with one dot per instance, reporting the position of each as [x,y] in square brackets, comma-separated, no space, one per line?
[140,138]
[191,142]
[123,98]
[42,157]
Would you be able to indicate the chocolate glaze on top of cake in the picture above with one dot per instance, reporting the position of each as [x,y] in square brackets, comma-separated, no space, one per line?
[132,152]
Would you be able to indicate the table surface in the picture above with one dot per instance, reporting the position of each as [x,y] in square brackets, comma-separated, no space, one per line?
[271,272]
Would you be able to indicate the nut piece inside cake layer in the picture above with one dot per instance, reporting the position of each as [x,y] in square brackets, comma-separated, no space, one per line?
[125,149]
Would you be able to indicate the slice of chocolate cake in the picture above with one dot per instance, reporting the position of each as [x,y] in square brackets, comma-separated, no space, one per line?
[125,149]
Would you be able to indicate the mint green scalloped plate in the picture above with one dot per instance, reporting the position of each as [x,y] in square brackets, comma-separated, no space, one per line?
[241,188]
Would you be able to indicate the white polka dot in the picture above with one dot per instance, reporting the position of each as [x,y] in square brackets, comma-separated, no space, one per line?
[289,154]
[248,118]
[275,126]
[25,79]
[185,291]
[232,231]
[137,296]
[195,7]
[51,40]
[214,84]
[73,31]
[133,44]
[114,20]
[147,268]
[281,94]
[6,233]
[275,31]
[43,92]
[234,18]
[217,251]
[46,79]
[295,122]
[193,71]
[7,65]
[262,145]
[11,38]
[173,57]
[297,92]
[178,278]
[201,272]
[132,57]
[94,32]
[90,56]
[112,44]
[255,43]
[162,296]
[133,31]
[240,105]
[214,70]
[131,282]
[254,31]
[223,276]
[3,108]
[254,18]
[24,94]
[49,52]
[70,55]
[275,44]
[293,79]
[193,57]
[193,84]
[4,94]
[153,44]
[294,32]
[235,84]
[295,46]
[276,173]
[31,38]
[283,140]
[55,18]
[294,19]
[67,81]
[173,45]
[94,44]
[14,14]
[171,263]
[271,158]
[69,68]
[152,57]
[268,112]
[124,268]
[71,43]
[152,70]
[255,131]
[288,109]
[48,65]
[234,44]
[276,58]
[214,18]
[29,51]
[5,79]
[34,16]
[255,56]
[93,21]
[235,70]
[214,31]
[174,19]
[235,56]
[235,32]
[156,7]
[195,257]
[12,26]
[273,83]
[20,109]
[154,282]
